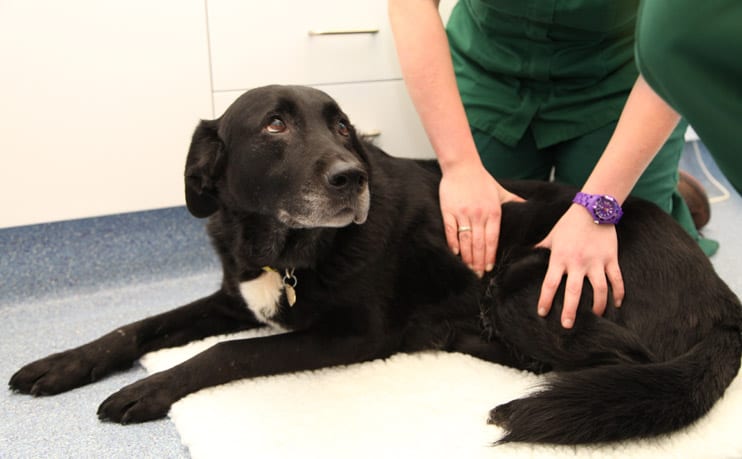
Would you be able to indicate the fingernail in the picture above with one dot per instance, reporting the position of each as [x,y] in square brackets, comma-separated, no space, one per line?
[567,323]
[455,250]
[471,267]
[489,267]
[480,274]
[542,312]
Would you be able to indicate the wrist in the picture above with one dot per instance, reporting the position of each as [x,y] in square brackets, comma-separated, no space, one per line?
[602,208]
[460,162]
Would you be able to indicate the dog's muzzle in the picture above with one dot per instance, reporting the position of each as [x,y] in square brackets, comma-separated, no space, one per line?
[349,183]
[344,177]
[339,198]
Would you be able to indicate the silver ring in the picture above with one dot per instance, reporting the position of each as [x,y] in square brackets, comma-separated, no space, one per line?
[463,229]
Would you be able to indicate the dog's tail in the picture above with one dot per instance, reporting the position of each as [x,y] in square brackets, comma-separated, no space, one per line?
[622,401]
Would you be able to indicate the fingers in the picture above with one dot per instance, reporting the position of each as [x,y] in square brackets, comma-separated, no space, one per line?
[491,237]
[613,272]
[478,247]
[451,229]
[512,197]
[465,233]
[476,242]
[479,244]
[600,290]
[470,201]
[573,291]
[552,279]
[598,276]
[548,289]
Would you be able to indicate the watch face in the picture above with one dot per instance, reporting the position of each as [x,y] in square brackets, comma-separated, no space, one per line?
[606,208]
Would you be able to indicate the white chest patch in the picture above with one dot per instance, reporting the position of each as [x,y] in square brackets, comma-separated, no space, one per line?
[263,294]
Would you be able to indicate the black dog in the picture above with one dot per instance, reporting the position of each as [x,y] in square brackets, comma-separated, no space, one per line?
[327,236]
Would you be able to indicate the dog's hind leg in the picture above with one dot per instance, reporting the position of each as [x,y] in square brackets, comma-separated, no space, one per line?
[216,314]
[509,313]
[593,341]
[468,338]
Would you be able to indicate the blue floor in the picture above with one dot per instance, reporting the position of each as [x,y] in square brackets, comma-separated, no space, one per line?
[63,284]
[66,283]
[90,254]
[726,213]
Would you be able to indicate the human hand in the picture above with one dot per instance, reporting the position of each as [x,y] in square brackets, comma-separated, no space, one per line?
[571,255]
[470,200]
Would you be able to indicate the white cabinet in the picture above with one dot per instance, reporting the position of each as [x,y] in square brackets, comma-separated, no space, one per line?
[98,100]
[299,42]
[343,48]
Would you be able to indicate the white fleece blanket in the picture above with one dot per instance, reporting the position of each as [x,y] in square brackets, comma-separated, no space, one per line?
[428,405]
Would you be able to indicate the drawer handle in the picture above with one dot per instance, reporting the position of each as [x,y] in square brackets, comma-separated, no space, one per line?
[318,32]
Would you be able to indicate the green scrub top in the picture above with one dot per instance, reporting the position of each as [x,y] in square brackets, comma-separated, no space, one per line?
[690,53]
[562,68]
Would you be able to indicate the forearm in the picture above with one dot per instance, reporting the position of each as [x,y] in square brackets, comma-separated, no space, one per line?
[425,60]
[645,124]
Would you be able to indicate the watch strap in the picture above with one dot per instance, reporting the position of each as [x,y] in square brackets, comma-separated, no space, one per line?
[603,208]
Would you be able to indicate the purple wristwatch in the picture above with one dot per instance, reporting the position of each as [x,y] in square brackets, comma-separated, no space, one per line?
[603,208]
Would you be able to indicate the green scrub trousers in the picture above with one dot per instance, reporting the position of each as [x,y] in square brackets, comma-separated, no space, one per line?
[543,83]
[573,161]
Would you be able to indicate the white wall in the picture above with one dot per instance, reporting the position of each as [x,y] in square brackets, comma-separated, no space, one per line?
[98,100]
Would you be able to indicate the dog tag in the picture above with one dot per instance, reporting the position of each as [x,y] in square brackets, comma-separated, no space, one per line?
[290,294]
[289,282]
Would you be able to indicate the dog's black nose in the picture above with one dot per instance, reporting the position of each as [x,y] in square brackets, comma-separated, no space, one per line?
[344,176]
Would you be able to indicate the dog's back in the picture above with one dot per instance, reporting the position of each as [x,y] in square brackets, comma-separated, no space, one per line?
[652,366]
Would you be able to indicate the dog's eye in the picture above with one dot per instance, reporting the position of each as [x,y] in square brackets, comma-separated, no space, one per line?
[343,129]
[275,125]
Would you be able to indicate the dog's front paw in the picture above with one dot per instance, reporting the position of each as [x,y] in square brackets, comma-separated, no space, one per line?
[56,373]
[143,401]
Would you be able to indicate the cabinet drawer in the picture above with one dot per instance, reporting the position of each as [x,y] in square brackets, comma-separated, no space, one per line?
[382,109]
[299,42]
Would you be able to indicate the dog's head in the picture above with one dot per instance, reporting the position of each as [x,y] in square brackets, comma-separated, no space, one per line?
[284,151]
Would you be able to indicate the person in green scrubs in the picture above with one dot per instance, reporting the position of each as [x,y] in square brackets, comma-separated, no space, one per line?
[515,89]
[690,53]
[543,84]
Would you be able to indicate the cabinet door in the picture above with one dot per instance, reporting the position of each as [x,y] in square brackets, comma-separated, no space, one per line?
[299,42]
[381,110]
[98,103]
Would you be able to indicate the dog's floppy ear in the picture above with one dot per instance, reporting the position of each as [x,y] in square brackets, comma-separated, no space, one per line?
[203,167]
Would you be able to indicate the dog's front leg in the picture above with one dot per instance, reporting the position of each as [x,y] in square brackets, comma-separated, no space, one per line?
[151,398]
[117,350]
